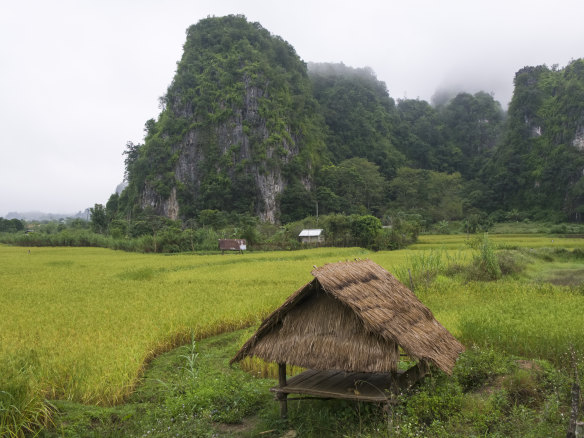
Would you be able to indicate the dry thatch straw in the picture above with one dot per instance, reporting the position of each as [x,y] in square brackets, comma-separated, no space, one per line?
[352,317]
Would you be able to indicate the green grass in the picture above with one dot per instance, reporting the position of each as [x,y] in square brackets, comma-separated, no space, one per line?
[93,318]
[455,241]
[181,394]
[489,394]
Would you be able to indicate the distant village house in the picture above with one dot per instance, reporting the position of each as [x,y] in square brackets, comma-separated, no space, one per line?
[232,245]
[311,236]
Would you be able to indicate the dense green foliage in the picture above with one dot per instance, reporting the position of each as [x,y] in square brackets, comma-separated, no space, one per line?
[239,106]
[541,156]
[247,128]
[359,113]
[11,225]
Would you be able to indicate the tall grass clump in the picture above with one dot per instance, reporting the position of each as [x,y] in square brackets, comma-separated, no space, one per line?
[485,265]
[23,410]
[421,268]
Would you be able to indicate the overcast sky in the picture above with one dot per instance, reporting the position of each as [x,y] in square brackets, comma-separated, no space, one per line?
[78,79]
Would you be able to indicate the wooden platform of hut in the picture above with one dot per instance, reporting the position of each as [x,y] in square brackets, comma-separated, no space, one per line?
[363,387]
[369,387]
[346,327]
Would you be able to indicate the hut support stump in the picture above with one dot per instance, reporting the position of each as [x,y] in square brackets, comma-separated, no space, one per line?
[282,396]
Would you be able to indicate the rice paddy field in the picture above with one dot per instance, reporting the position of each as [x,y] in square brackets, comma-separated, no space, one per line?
[92,317]
[86,321]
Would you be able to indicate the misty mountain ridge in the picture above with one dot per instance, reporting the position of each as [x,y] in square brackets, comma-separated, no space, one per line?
[247,127]
[42,216]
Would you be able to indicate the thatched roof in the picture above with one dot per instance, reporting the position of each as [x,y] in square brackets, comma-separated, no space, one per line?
[351,317]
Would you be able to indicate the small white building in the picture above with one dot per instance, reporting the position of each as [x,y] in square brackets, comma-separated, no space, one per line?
[312,236]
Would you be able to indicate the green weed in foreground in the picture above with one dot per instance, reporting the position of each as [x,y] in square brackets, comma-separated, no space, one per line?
[22,407]
[489,394]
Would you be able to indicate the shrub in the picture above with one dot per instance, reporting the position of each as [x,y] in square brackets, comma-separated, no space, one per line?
[476,366]
[365,229]
[443,227]
[523,387]
[226,400]
[511,262]
[436,399]
[485,264]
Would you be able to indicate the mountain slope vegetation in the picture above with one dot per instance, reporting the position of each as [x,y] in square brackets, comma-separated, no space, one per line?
[248,128]
[239,123]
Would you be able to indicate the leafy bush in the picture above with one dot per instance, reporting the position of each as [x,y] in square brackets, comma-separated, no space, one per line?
[511,262]
[435,399]
[476,366]
[226,400]
[523,387]
[485,265]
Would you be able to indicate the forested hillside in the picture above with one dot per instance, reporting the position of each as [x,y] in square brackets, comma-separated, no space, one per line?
[538,166]
[239,125]
[247,127]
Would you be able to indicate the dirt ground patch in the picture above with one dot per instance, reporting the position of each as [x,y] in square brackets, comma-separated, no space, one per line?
[244,428]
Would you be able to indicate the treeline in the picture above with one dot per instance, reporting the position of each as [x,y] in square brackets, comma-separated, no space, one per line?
[11,225]
[153,233]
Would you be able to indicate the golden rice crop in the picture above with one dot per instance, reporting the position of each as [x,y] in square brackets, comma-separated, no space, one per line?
[454,241]
[94,317]
[536,320]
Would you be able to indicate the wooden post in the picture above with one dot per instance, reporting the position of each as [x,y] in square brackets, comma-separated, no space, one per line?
[281,395]
[572,432]
[575,400]
[414,374]
[411,281]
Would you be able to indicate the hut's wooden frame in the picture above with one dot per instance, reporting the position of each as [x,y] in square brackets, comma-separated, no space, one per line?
[364,387]
[345,326]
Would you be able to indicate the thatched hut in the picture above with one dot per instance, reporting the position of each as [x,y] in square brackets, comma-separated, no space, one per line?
[346,326]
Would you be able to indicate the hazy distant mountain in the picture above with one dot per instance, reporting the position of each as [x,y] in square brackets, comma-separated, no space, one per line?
[121,186]
[41,216]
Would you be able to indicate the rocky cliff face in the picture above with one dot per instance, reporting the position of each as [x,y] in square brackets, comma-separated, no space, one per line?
[541,156]
[168,207]
[237,128]
[235,148]
[578,141]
